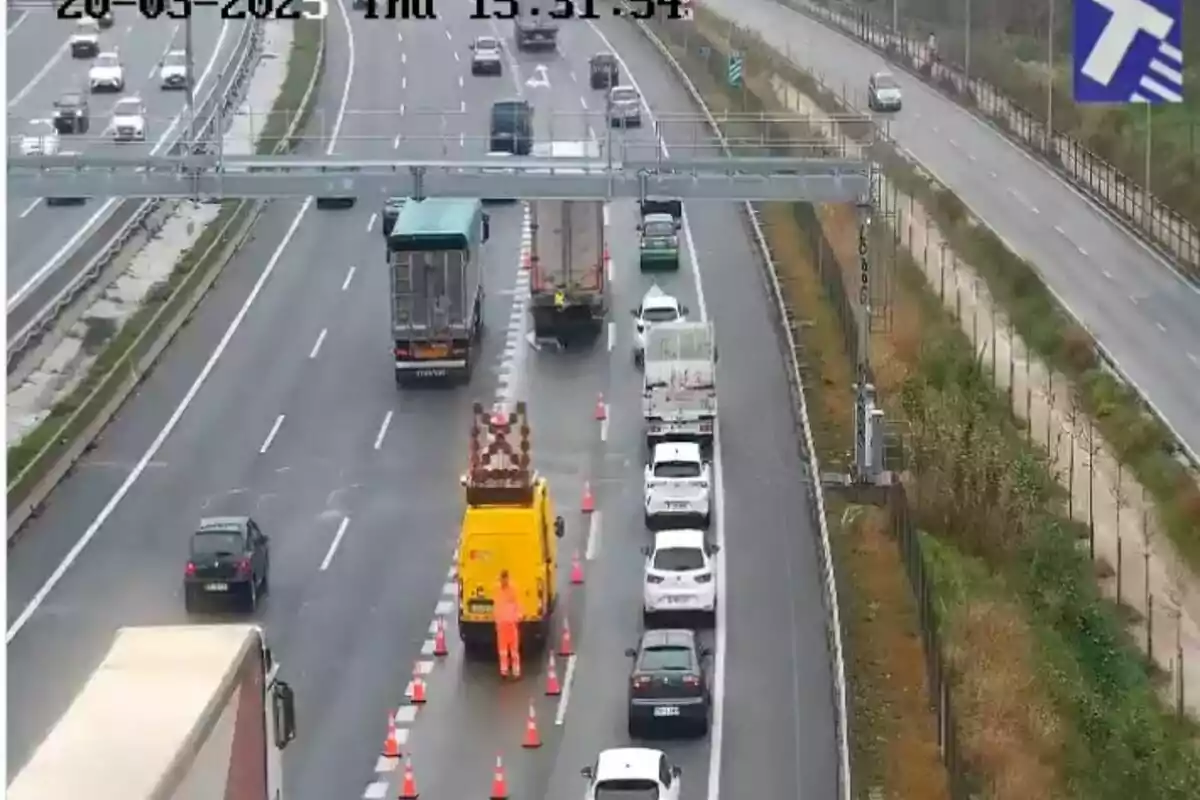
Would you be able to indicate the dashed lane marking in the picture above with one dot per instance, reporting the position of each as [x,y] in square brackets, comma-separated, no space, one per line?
[349,277]
[337,540]
[271,435]
[383,429]
[316,348]
[593,537]
[560,715]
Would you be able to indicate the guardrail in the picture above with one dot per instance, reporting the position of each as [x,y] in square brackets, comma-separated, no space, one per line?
[1150,219]
[834,623]
[77,433]
[45,300]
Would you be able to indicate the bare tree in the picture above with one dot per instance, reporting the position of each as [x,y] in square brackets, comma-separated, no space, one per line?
[1121,501]
[1092,446]
[1073,421]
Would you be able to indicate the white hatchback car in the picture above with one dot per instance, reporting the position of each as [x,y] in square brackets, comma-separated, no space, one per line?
[657,306]
[677,484]
[129,120]
[106,73]
[172,72]
[632,773]
[680,575]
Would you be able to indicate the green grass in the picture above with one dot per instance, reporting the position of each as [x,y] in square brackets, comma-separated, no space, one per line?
[40,449]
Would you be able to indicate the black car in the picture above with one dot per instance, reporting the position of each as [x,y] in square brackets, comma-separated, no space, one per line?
[71,114]
[512,127]
[668,687]
[391,212]
[229,558]
[604,71]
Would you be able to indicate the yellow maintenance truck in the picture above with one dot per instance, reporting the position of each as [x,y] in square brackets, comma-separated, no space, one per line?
[509,524]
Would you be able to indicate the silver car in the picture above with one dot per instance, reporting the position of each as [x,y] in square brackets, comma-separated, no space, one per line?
[624,106]
[485,56]
[883,93]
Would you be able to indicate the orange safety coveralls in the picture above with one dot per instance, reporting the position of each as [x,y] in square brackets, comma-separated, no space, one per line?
[508,635]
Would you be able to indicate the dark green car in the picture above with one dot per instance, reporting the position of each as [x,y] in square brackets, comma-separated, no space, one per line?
[659,243]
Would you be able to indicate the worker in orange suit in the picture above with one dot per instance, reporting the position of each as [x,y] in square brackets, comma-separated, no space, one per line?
[508,634]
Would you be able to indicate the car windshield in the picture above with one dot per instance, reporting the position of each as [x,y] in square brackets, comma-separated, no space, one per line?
[679,559]
[127,108]
[175,58]
[107,60]
[486,43]
[885,82]
[626,789]
[670,657]
[624,95]
[659,229]
[677,469]
[660,314]
[217,543]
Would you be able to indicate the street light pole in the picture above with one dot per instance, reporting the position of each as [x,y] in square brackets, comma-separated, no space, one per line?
[895,16]
[967,58]
[191,83]
[1050,80]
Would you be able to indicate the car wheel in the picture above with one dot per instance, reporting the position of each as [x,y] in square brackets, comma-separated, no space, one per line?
[705,521]
[649,522]
[190,604]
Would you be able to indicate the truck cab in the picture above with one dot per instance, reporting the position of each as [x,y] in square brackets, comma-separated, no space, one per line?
[509,524]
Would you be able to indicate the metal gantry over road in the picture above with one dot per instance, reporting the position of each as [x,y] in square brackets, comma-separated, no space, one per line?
[687,170]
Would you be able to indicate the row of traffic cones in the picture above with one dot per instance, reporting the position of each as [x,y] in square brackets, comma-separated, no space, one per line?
[499,790]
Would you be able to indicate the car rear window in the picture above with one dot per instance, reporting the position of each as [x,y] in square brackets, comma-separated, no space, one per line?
[677,469]
[626,789]
[624,95]
[669,658]
[660,315]
[210,543]
[679,559]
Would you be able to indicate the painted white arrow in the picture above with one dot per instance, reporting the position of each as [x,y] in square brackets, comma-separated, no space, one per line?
[540,79]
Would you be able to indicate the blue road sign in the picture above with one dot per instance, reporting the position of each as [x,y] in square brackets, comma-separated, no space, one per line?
[735,70]
[1128,51]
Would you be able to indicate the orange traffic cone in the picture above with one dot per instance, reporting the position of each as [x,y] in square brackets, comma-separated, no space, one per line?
[576,569]
[391,744]
[439,639]
[408,786]
[418,686]
[532,737]
[499,781]
[589,502]
[565,648]
[601,407]
[553,689]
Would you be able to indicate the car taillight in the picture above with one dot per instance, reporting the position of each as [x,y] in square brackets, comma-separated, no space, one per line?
[401,352]
[190,569]
[704,578]
[691,680]
[641,682]
[243,566]
[653,579]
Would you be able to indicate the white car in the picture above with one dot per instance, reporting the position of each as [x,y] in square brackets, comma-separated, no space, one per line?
[40,138]
[883,93]
[624,106]
[657,307]
[172,72]
[106,73]
[129,120]
[678,484]
[632,773]
[85,40]
[680,575]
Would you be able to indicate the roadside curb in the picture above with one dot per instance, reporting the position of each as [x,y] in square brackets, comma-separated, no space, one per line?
[130,370]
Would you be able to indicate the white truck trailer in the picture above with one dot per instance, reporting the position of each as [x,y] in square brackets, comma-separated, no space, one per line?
[183,712]
[679,391]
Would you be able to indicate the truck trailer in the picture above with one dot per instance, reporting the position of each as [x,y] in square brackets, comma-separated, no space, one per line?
[174,712]
[534,31]
[434,255]
[679,392]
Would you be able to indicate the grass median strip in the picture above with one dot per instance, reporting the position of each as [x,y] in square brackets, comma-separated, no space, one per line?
[1050,696]
[33,457]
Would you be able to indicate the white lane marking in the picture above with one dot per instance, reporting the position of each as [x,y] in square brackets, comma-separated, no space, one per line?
[593,538]
[349,277]
[396,142]
[448,37]
[717,727]
[383,764]
[1161,327]
[404,58]
[427,647]
[1194,359]
[452,573]
[611,335]
[1108,274]
[462,106]
[337,540]
[266,445]
[73,242]
[456,57]
[449,589]
[400,38]
[94,526]
[387,420]
[605,212]
[424,667]
[604,429]
[375,791]
[1058,229]
[41,73]
[461,83]
[560,716]
[1082,252]
[24,16]
[574,77]
[443,609]
[371,221]
[317,346]
[29,208]
[583,102]
[406,715]
[404,82]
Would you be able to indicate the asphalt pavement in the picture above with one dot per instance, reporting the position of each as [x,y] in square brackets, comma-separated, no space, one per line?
[1142,312]
[349,616]
[41,69]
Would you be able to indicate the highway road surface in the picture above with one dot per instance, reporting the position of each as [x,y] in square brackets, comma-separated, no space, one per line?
[1143,313]
[41,69]
[298,422]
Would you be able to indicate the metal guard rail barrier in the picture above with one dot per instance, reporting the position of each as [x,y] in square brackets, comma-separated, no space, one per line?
[1166,230]
[834,627]
[126,218]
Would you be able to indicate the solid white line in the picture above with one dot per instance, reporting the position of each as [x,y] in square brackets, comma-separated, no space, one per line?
[427,647]
[337,539]
[271,435]
[717,727]
[349,277]
[443,609]
[612,335]
[24,16]
[29,208]
[449,589]
[41,73]
[387,420]
[406,715]
[604,428]
[560,716]
[94,527]
[606,212]
[375,791]
[371,221]
[593,538]
[320,339]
